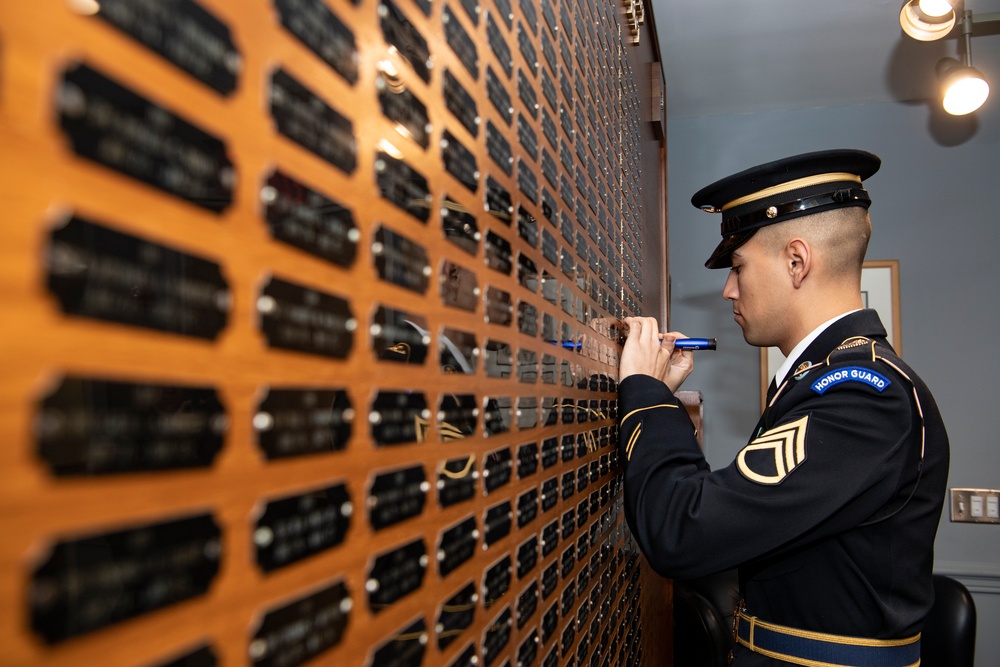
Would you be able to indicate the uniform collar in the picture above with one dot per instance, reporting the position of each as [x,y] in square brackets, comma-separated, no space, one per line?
[829,335]
[797,351]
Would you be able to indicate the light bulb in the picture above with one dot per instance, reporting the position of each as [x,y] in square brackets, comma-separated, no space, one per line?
[936,8]
[927,20]
[965,91]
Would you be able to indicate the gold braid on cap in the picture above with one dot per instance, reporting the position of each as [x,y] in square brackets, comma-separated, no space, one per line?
[793,185]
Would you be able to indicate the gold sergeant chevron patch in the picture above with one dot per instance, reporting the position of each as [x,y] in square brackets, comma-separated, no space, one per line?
[775,453]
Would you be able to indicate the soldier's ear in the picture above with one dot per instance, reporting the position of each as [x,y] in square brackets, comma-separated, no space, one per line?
[798,258]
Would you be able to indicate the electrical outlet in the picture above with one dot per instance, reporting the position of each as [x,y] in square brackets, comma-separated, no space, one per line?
[975,505]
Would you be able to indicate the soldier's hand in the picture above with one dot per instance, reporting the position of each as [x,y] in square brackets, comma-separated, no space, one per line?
[680,363]
[644,354]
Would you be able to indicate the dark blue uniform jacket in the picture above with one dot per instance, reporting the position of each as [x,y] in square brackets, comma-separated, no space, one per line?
[831,509]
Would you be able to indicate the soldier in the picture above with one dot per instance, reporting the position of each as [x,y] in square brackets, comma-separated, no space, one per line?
[830,510]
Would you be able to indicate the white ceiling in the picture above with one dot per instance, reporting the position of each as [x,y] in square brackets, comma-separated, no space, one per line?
[742,56]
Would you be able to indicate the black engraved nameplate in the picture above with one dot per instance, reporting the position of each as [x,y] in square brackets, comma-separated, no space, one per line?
[499,309]
[549,168]
[184,33]
[299,216]
[567,639]
[497,467]
[459,161]
[457,613]
[457,480]
[294,633]
[90,426]
[496,580]
[126,132]
[322,32]
[527,412]
[306,119]
[402,107]
[550,247]
[499,359]
[296,422]
[400,260]
[550,579]
[549,206]
[505,11]
[397,495]
[97,580]
[295,317]
[499,96]
[405,649]
[498,202]
[202,656]
[460,225]
[498,253]
[527,182]
[497,415]
[550,622]
[295,527]
[527,507]
[527,370]
[526,136]
[567,562]
[496,636]
[499,45]
[527,460]
[550,535]
[467,658]
[568,442]
[550,493]
[550,449]
[527,229]
[403,186]
[457,545]
[457,416]
[459,287]
[498,148]
[568,483]
[461,44]
[97,272]
[527,323]
[400,33]
[399,336]
[527,605]
[398,417]
[460,103]
[497,523]
[459,351]
[395,574]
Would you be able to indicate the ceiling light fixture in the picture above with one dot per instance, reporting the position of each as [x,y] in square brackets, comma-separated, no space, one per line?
[927,20]
[963,88]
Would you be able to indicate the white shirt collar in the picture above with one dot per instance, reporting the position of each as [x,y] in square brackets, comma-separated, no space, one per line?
[786,366]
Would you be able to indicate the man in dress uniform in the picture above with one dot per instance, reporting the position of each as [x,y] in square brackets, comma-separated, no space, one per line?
[830,510]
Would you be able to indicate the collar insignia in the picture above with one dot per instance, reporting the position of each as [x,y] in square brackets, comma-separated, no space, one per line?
[802,369]
[773,455]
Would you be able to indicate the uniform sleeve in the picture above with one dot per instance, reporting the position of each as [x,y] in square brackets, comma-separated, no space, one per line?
[832,460]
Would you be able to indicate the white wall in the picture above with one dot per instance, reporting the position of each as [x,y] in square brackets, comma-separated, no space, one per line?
[936,208]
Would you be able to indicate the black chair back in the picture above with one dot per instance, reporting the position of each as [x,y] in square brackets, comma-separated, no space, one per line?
[949,636]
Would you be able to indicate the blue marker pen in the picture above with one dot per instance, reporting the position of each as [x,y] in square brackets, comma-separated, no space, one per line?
[694,343]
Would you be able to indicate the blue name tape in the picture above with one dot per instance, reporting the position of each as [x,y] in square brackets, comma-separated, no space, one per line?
[851,374]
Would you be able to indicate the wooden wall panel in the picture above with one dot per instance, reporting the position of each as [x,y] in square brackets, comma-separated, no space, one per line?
[113,356]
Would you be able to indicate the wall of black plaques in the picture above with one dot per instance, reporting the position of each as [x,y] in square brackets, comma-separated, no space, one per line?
[311,328]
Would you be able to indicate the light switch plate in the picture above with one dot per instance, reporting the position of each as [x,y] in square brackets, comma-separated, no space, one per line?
[975,505]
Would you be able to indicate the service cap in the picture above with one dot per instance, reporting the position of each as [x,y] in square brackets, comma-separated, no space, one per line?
[782,190]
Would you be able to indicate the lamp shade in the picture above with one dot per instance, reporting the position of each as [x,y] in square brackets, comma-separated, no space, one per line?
[963,88]
[924,25]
